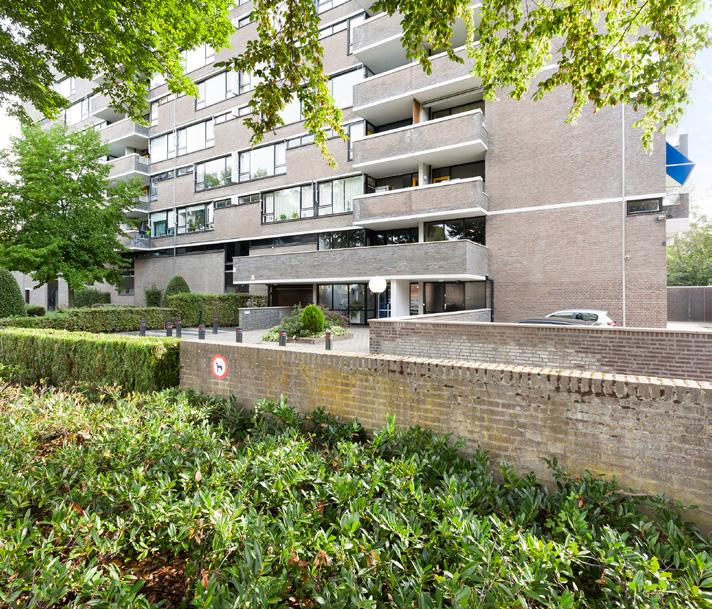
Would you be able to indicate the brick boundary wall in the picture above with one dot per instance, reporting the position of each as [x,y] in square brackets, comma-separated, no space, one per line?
[262,318]
[666,353]
[654,435]
[689,303]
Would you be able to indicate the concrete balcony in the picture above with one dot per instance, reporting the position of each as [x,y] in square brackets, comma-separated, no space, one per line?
[135,241]
[100,106]
[124,134]
[438,260]
[400,208]
[388,96]
[452,140]
[129,166]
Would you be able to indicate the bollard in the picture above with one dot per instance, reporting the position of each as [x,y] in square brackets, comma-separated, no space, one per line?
[169,328]
[215,325]
[179,328]
[201,331]
[142,328]
[282,338]
[327,340]
[238,335]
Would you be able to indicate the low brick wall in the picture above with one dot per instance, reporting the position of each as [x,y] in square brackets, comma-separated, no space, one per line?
[261,318]
[693,303]
[653,434]
[666,353]
[469,315]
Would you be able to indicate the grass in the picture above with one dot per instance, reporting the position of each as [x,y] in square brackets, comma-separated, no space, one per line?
[172,499]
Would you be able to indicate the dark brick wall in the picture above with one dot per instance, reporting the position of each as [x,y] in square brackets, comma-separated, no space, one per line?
[662,353]
[689,303]
[653,434]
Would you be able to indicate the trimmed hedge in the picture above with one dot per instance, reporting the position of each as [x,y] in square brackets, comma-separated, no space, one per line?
[154,296]
[66,358]
[96,319]
[177,285]
[89,297]
[224,306]
[11,300]
[35,310]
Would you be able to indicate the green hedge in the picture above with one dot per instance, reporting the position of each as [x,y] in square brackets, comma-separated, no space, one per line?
[11,300]
[224,306]
[96,319]
[67,358]
[90,296]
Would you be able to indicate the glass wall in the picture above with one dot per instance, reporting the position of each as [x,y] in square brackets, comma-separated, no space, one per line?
[353,300]
[472,229]
[444,296]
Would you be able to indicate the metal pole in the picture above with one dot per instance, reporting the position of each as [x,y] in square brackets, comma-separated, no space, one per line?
[238,335]
[169,328]
[201,331]
[179,328]
[327,340]
[282,338]
[216,325]
[142,328]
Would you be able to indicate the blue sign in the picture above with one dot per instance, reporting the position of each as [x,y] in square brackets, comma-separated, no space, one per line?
[677,165]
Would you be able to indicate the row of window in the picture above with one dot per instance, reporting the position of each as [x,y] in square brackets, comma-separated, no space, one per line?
[193,218]
[183,141]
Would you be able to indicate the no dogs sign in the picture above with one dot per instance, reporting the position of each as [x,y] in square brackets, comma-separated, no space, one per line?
[218,366]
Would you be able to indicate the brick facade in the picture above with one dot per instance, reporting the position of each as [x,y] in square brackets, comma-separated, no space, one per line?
[662,353]
[653,434]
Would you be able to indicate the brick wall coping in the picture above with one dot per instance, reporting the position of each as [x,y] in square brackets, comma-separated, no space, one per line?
[543,328]
[597,383]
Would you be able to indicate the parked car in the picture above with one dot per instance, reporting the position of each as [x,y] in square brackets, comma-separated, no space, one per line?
[554,321]
[595,317]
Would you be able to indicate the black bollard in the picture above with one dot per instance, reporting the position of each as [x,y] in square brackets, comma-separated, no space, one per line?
[201,331]
[216,325]
[179,328]
[142,328]
[238,335]
[282,338]
[327,340]
[169,328]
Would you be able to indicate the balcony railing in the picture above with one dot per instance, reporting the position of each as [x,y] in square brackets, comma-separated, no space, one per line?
[128,166]
[458,260]
[454,198]
[124,130]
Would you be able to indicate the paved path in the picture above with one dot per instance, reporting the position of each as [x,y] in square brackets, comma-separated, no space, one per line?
[357,344]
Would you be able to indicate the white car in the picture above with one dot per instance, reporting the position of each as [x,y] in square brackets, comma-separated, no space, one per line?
[595,317]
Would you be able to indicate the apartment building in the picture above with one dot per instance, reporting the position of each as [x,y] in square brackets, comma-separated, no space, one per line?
[458,203]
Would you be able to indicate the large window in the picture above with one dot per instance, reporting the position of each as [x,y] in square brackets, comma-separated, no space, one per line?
[162,223]
[65,87]
[214,89]
[340,26]
[336,196]
[342,239]
[198,57]
[212,174]
[77,112]
[325,5]
[644,206]
[263,162]
[288,204]
[459,172]
[195,218]
[352,299]
[155,179]
[441,297]
[395,236]
[183,141]
[341,87]
[472,229]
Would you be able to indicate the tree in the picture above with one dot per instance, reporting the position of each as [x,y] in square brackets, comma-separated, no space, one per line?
[177,285]
[607,52]
[690,256]
[59,214]
[11,301]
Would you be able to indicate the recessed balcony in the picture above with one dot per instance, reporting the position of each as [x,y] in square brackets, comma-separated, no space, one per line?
[432,261]
[124,134]
[451,140]
[388,96]
[400,208]
[134,240]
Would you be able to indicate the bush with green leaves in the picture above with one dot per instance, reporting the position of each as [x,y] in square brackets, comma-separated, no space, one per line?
[154,296]
[58,357]
[223,306]
[88,297]
[177,285]
[107,318]
[33,310]
[313,319]
[11,300]
[104,495]
[293,325]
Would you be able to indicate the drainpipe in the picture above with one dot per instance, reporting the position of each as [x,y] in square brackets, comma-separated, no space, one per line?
[491,298]
[624,216]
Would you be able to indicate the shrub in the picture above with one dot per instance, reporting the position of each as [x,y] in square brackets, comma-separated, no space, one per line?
[97,319]
[224,306]
[62,358]
[313,319]
[11,300]
[35,310]
[293,325]
[177,285]
[154,296]
[88,297]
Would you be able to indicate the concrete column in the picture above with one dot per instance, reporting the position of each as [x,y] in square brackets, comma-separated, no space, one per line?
[421,232]
[421,298]
[423,174]
[400,298]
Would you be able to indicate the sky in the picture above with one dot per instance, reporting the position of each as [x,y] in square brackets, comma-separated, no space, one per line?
[697,122]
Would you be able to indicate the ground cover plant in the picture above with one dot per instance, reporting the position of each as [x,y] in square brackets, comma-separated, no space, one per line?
[131,501]
[308,322]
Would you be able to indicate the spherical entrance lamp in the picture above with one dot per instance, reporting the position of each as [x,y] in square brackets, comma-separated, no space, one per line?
[377,285]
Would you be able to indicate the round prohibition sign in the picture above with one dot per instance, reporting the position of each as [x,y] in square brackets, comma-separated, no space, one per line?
[218,366]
